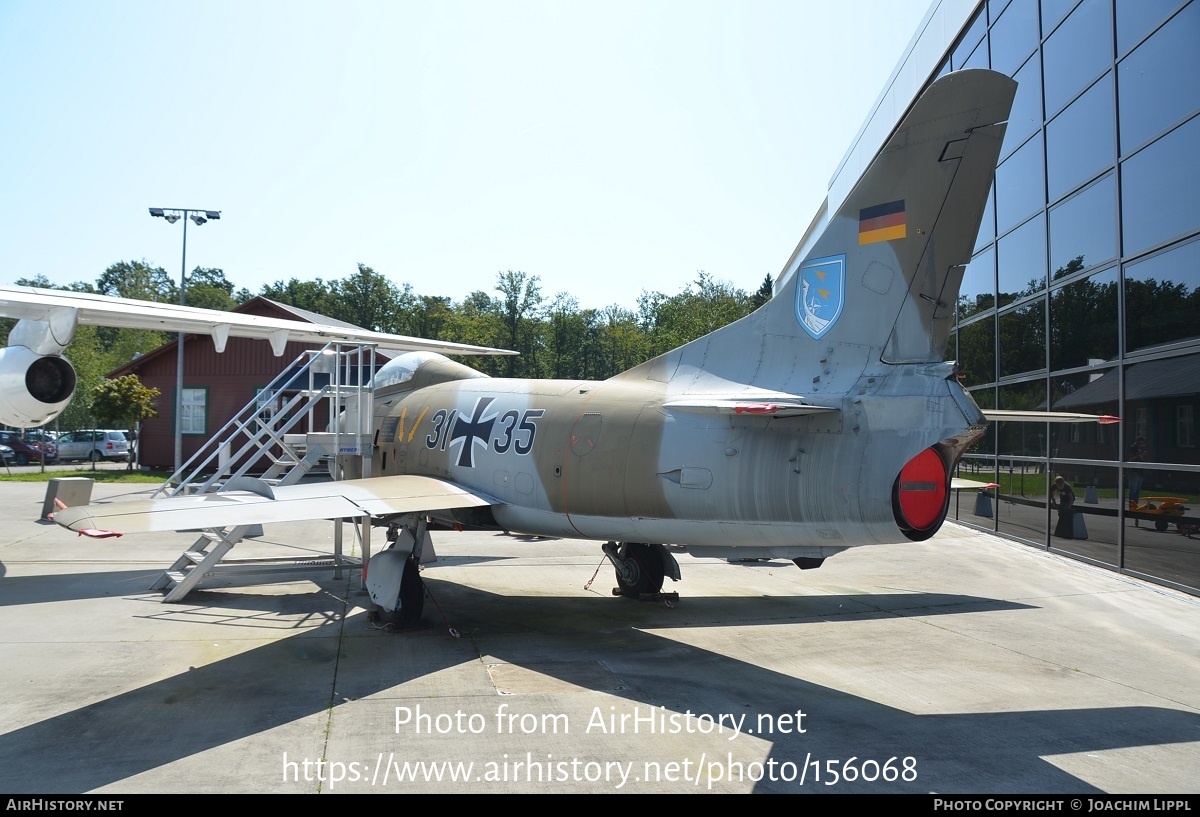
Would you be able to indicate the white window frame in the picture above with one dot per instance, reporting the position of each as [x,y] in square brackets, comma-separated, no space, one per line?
[1185,428]
[193,410]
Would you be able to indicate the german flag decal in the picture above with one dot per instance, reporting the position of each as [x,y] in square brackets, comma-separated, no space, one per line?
[883,222]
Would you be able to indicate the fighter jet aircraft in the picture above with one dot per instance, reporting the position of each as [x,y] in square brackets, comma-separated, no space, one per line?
[825,420]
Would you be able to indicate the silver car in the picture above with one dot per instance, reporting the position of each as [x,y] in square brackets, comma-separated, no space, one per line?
[94,445]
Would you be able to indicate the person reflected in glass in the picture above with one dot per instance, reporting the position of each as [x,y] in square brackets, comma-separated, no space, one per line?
[1137,453]
[1062,496]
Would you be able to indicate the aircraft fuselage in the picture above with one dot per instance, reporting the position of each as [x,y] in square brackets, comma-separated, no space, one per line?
[607,461]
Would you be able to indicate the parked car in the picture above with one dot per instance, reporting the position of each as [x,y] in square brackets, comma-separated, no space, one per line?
[45,439]
[7,454]
[94,445]
[24,451]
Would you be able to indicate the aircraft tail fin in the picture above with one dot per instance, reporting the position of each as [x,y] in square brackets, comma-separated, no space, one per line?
[883,275]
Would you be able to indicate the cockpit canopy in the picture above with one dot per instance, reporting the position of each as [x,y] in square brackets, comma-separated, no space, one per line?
[402,371]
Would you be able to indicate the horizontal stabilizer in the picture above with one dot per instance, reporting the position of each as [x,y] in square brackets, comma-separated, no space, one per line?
[377,496]
[764,405]
[960,484]
[997,416]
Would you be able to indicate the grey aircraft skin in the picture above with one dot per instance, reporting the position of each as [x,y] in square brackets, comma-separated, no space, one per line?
[827,419]
[759,439]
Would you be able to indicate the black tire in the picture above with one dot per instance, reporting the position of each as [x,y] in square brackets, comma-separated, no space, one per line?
[95,456]
[646,570]
[1161,524]
[22,459]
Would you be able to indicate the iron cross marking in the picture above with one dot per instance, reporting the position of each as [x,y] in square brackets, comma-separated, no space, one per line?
[473,432]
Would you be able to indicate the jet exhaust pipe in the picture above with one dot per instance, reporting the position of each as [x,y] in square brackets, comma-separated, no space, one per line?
[34,388]
[921,495]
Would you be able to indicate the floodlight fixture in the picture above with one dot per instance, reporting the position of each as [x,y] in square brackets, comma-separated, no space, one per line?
[171,217]
[199,219]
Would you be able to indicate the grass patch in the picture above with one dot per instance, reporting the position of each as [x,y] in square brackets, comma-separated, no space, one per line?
[142,477]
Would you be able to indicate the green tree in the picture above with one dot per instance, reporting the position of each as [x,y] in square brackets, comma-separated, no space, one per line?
[139,280]
[208,288]
[766,291]
[706,305]
[566,335]
[125,402]
[430,317]
[521,310]
[368,299]
[477,321]
[315,295]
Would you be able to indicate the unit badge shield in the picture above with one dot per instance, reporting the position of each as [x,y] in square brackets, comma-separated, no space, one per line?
[821,294]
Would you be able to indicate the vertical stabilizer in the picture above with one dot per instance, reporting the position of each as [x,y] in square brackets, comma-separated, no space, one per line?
[884,275]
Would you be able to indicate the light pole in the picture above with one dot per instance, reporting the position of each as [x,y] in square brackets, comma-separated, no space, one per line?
[172,215]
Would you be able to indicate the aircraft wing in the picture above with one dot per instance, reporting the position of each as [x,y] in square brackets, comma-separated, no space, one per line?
[54,305]
[997,415]
[375,496]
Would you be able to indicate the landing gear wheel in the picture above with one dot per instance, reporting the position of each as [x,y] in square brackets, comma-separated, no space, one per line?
[1161,524]
[640,571]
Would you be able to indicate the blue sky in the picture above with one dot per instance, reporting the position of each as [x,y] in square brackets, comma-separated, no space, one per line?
[605,147]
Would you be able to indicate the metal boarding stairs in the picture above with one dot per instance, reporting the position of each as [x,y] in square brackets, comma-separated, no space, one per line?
[284,435]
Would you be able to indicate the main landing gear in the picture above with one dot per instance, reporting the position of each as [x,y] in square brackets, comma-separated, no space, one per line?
[393,576]
[641,569]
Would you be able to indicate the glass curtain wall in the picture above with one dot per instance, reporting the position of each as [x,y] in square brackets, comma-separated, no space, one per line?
[1084,291]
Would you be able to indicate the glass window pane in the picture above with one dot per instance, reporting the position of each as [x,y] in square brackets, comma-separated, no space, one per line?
[985,446]
[1022,346]
[1083,322]
[987,226]
[1136,19]
[1021,504]
[1157,82]
[1083,229]
[1078,52]
[1088,527]
[1053,11]
[1021,261]
[970,39]
[1022,439]
[1080,142]
[1020,186]
[979,58]
[192,411]
[967,507]
[1161,398]
[1153,545]
[978,291]
[1162,298]
[1093,392]
[1014,36]
[977,352]
[1160,190]
[1026,116]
